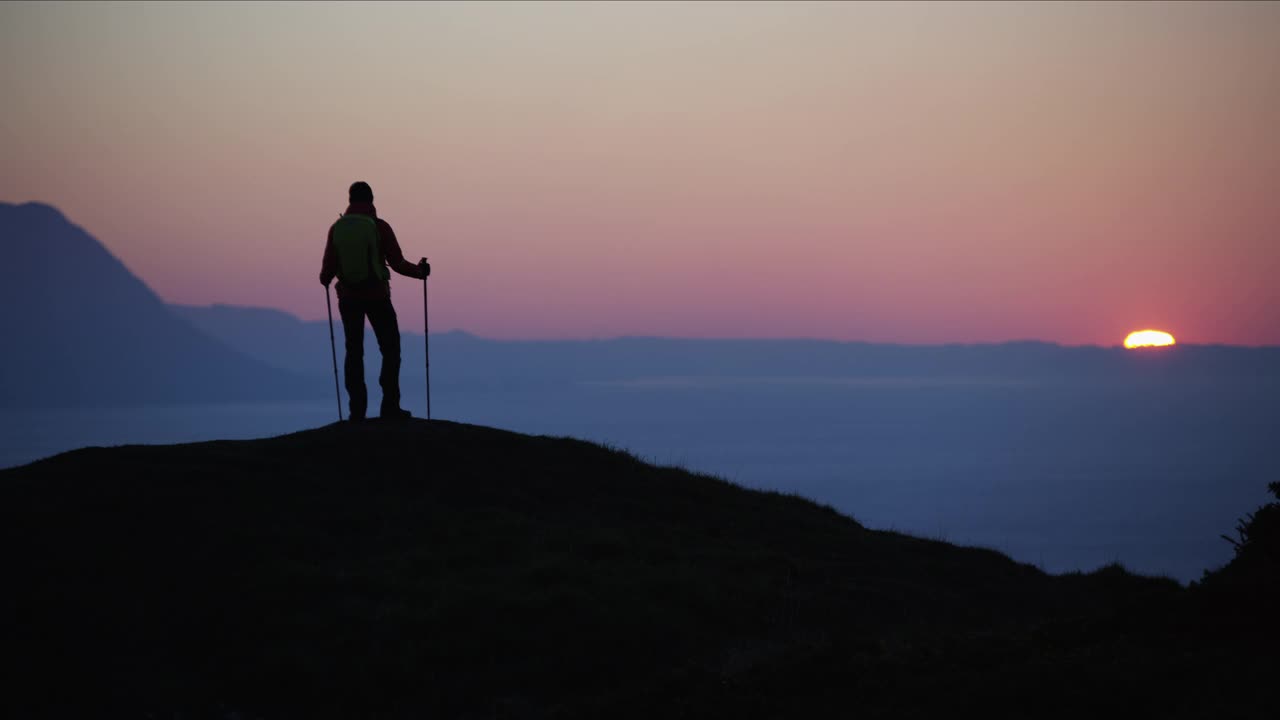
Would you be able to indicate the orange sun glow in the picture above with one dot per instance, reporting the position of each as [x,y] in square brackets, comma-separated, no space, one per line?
[1148,338]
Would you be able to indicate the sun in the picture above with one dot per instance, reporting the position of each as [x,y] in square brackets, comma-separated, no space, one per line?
[1148,338]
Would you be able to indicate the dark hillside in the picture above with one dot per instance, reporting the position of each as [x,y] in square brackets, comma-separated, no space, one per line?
[432,569]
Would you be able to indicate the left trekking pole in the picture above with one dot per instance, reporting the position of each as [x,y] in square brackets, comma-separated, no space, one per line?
[333,348]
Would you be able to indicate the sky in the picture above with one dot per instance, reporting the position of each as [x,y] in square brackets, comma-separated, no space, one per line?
[916,172]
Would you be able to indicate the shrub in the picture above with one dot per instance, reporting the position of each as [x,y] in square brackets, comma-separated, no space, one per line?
[1255,569]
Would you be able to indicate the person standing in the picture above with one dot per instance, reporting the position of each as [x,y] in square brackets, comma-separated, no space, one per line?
[359,249]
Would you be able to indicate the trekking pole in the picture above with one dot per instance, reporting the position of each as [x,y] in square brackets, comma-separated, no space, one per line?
[426,344]
[333,348]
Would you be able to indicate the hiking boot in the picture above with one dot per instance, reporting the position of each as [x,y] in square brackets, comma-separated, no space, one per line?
[396,414]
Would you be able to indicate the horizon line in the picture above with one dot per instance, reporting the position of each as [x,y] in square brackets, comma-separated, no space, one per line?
[796,339]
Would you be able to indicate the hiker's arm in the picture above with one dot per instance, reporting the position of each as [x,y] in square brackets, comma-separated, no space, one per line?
[395,257]
[329,267]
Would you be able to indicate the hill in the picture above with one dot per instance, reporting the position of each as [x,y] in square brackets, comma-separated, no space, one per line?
[433,569]
[80,329]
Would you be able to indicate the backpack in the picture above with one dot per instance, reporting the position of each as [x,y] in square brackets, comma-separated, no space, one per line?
[355,237]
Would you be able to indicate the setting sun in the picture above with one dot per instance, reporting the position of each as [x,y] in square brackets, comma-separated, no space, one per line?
[1148,338]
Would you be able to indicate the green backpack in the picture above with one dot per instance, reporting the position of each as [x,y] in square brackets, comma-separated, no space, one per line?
[355,237]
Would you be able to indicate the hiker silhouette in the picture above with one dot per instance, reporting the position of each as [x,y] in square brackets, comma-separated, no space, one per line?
[359,249]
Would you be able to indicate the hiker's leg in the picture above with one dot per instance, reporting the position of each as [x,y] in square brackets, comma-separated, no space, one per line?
[382,316]
[353,312]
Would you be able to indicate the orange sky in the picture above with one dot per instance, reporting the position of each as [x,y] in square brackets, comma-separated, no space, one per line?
[914,172]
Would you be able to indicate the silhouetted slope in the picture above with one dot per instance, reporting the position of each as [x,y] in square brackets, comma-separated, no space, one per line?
[80,329]
[439,570]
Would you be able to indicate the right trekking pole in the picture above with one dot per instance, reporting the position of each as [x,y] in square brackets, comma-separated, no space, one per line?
[426,344]
[333,349]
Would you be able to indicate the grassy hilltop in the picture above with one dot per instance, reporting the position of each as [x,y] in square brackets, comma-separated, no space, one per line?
[432,569]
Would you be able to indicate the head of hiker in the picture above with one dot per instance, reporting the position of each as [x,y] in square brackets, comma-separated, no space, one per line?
[360,250]
[360,192]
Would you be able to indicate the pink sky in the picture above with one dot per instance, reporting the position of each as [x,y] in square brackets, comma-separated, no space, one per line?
[912,173]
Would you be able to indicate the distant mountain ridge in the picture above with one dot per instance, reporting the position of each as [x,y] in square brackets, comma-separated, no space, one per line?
[80,329]
[281,339]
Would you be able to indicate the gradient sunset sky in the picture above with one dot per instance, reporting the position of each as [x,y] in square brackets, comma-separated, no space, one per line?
[887,172]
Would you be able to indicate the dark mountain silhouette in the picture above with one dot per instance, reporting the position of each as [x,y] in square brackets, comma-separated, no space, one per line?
[444,570]
[80,329]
